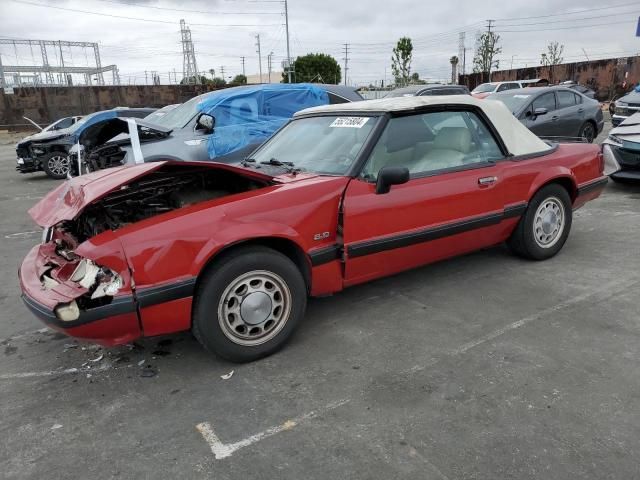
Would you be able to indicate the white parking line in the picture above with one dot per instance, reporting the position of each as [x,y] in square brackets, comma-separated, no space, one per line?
[50,373]
[223,450]
[24,234]
[607,290]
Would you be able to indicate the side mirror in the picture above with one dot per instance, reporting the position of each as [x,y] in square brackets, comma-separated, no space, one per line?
[206,122]
[388,176]
[539,111]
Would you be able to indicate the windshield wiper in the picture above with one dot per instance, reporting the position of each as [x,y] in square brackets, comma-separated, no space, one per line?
[289,166]
[277,163]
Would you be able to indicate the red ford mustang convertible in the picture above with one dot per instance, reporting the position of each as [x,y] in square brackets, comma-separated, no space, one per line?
[341,195]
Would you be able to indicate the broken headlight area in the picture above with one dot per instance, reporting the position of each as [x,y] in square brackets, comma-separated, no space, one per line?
[91,284]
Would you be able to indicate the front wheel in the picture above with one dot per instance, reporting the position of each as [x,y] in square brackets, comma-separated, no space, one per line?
[56,165]
[544,228]
[248,305]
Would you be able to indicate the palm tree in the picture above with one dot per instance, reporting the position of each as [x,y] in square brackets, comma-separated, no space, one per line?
[454,69]
[212,72]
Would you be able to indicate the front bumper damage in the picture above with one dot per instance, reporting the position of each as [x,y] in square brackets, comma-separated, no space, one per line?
[621,163]
[77,297]
[27,165]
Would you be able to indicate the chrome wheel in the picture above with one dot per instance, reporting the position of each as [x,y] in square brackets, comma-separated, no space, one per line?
[548,222]
[58,165]
[254,308]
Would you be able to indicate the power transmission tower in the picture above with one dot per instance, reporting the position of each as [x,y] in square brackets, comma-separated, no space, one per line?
[286,22]
[189,67]
[243,73]
[62,69]
[346,61]
[259,55]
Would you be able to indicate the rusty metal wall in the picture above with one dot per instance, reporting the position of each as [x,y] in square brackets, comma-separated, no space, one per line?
[607,78]
[45,105]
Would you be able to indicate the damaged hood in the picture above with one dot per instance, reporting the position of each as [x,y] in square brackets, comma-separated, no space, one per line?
[45,136]
[67,201]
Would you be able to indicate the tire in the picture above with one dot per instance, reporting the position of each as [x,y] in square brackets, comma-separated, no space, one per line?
[56,165]
[536,237]
[248,306]
[588,132]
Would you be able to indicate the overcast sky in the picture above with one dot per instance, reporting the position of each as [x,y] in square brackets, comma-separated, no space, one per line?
[224,30]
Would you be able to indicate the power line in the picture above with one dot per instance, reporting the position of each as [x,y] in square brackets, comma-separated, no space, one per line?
[610,7]
[205,12]
[138,19]
[566,28]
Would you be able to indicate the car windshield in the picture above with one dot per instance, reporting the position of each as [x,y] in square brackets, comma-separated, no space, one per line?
[513,101]
[411,91]
[484,88]
[326,145]
[179,116]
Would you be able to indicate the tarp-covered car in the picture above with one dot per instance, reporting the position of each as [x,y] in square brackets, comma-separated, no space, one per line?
[341,195]
[50,151]
[224,125]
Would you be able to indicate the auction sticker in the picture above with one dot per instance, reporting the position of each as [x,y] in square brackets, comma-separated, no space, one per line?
[349,122]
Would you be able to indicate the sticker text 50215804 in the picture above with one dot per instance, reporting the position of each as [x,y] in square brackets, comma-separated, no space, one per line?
[349,122]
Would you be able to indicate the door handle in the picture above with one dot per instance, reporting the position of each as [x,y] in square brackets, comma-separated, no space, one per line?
[554,118]
[580,110]
[484,181]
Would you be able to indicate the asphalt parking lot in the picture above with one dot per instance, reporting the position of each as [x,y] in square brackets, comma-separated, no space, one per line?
[482,367]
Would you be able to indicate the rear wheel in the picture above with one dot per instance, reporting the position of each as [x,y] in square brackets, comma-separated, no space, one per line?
[588,132]
[249,304]
[56,165]
[544,228]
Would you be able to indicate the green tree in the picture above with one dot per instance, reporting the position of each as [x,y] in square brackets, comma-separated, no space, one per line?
[553,55]
[218,82]
[201,79]
[487,50]
[401,60]
[239,80]
[414,79]
[314,68]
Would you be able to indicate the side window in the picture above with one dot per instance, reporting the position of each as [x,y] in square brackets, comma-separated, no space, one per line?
[548,101]
[432,142]
[566,99]
[578,99]
[334,99]
[64,123]
[503,87]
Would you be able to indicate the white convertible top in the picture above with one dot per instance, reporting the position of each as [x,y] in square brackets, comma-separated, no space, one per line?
[518,139]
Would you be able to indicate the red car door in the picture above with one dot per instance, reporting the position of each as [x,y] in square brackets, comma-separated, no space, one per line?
[452,204]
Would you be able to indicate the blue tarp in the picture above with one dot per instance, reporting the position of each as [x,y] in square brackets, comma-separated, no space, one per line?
[248,115]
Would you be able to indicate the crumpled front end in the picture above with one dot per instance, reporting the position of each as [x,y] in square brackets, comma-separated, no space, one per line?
[78,295]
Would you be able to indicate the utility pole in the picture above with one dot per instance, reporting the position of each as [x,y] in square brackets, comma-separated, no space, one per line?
[270,63]
[259,55]
[489,22]
[346,61]
[243,73]
[286,22]
[222,72]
